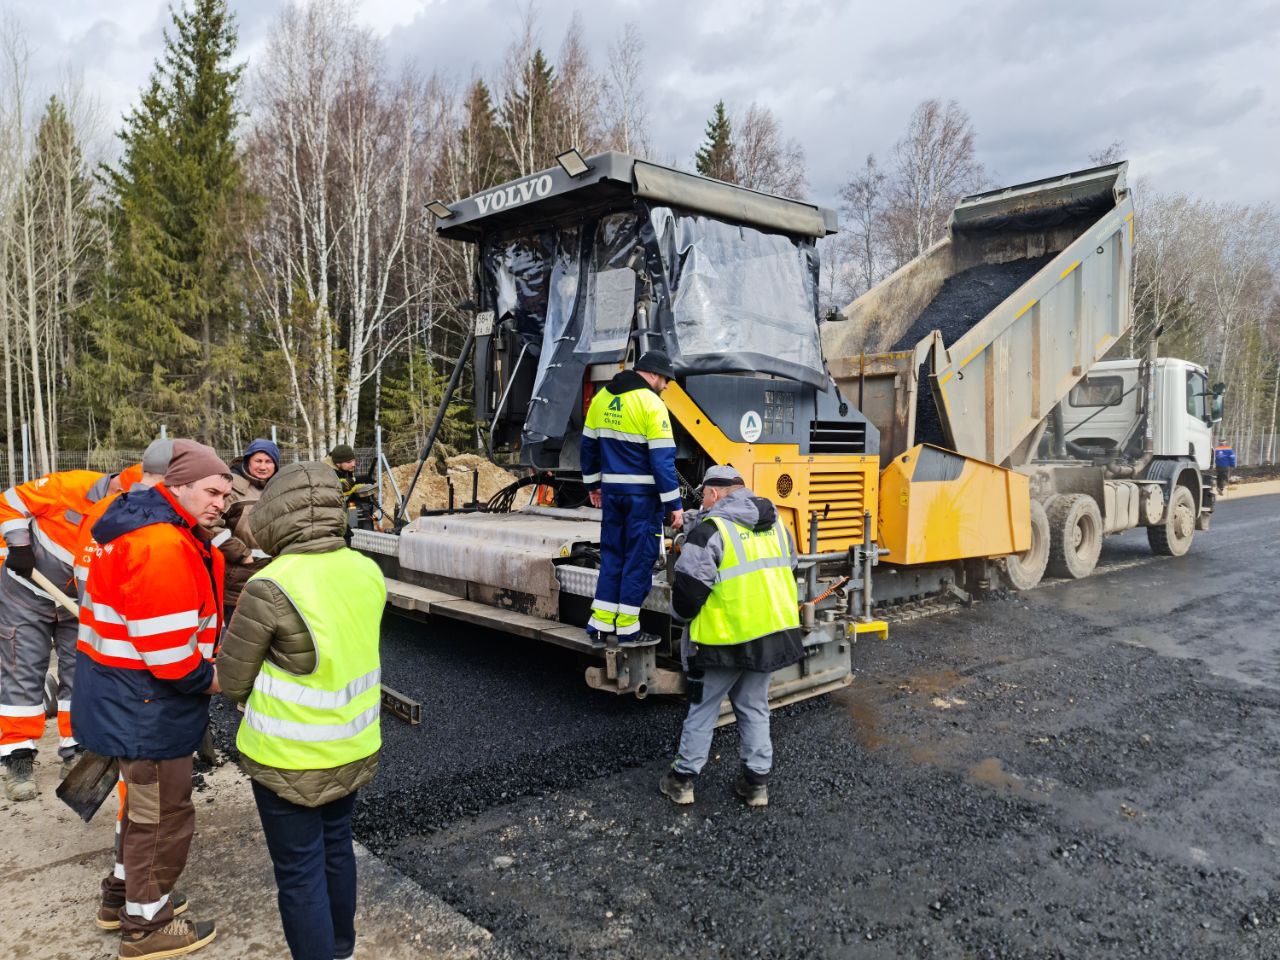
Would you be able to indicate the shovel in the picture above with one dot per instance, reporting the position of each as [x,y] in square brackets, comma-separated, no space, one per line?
[90,781]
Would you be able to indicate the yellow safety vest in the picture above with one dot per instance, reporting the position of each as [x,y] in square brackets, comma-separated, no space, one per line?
[755,594]
[329,717]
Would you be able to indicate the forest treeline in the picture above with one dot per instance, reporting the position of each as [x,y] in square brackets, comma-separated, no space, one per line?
[252,249]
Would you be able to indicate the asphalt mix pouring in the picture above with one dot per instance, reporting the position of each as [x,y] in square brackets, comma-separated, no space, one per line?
[964,300]
[1086,770]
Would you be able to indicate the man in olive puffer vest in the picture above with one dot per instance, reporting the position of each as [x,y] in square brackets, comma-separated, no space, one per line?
[302,653]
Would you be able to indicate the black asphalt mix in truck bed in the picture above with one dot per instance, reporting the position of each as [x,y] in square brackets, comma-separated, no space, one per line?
[967,297]
[1087,770]
[962,302]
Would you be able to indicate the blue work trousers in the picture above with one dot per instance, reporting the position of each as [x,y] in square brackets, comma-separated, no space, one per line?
[315,867]
[630,532]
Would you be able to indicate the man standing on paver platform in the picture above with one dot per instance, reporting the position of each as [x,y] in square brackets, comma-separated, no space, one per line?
[149,625]
[735,585]
[629,468]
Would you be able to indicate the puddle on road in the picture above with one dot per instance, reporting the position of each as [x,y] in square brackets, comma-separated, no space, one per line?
[866,699]
[933,684]
[992,773]
[867,720]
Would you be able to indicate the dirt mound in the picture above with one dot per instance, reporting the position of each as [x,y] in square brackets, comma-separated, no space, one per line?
[432,489]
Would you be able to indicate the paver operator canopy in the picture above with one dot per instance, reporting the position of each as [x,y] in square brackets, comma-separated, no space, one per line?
[579,275]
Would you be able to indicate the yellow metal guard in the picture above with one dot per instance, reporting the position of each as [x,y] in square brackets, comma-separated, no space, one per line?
[936,505]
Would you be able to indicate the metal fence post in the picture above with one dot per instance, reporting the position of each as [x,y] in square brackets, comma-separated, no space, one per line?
[377,461]
[164,432]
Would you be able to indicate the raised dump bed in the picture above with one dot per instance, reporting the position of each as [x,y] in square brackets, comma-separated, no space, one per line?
[1001,318]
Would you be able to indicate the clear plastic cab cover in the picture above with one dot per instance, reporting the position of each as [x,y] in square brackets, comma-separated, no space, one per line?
[740,299]
[727,299]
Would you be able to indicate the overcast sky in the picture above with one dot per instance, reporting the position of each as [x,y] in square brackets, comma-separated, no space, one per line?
[1191,88]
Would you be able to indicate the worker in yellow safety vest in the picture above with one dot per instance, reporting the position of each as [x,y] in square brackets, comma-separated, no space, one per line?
[735,585]
[301,652]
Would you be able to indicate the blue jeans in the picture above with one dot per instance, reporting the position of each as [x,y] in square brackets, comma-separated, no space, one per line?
[315,869]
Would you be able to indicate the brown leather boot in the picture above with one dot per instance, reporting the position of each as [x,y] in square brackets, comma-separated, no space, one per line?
[176,938]
[109,911]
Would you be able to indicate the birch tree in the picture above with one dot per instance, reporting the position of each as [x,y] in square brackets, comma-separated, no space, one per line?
[934,164]
[626,115]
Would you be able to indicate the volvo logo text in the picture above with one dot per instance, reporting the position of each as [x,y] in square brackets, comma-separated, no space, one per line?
[514,194]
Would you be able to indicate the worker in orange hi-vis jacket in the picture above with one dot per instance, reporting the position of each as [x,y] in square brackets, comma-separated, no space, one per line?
[143,475]
[40,523]
[149,626]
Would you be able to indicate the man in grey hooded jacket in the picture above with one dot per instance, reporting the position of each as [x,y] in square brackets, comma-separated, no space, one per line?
[741,633]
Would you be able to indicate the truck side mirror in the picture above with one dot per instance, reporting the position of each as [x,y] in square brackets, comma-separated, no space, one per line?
[1219,388]
[1215,408]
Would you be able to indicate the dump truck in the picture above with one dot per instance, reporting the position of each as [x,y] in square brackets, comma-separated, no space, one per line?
[1009,446]
[579,270]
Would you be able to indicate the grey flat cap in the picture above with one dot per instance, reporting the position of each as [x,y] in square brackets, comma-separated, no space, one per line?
[719,476]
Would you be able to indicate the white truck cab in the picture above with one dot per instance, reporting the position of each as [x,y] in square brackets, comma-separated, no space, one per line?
[1101,413]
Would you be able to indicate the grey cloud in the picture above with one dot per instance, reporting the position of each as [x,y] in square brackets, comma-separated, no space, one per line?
[1046,83]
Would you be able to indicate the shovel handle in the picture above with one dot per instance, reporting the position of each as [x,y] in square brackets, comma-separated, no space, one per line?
[60,598]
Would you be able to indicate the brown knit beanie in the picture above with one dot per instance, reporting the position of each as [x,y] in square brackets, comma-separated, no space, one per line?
[193,461]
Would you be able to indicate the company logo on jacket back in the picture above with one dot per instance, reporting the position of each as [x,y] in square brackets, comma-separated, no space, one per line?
[514,194]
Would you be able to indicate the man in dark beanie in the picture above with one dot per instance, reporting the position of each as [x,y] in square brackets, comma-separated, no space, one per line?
[629,468]
[342,460]
[250,475]
[148,630]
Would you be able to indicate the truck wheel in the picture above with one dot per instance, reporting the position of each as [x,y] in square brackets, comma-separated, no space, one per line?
[1173,537]
[1022,571]
[1075,536]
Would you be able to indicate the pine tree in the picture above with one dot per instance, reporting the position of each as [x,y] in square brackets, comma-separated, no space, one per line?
[715,157]
[480,143]
[527,115]
[168,319]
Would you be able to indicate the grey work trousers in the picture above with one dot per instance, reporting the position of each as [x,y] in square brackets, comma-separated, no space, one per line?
[30,627]
[748,693]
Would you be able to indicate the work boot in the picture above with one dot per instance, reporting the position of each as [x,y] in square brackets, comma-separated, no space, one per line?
[176,938]
[109,910]
[637,639]
[19,784]
[677,787]
[753,788]
[69,762]
[598,638]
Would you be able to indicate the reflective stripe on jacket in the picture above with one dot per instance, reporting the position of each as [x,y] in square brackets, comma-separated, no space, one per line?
[627,443]
[330,717]
[755,593]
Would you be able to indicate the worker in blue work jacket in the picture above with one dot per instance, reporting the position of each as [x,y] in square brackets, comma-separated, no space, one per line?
[629,468]
[1224,458]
